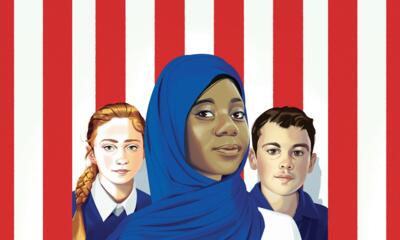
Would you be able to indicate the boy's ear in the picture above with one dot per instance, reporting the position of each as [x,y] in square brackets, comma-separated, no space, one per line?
[313,160]
[253,159]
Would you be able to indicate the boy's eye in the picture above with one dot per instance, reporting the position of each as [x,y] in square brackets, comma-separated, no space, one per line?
[298,153]
[133,147]
[109,148]
[238,115]
[205,114]
[273,151]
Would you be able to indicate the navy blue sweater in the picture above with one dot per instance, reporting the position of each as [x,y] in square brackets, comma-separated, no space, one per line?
[311,218]
[94,226]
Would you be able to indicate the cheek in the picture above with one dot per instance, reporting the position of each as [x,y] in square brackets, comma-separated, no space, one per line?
[266,168]
[244,136]
[198,140]
[104,160]
[136,160]
[201,134]
[302,168]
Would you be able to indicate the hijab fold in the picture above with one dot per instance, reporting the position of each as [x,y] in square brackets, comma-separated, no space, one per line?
[186,204]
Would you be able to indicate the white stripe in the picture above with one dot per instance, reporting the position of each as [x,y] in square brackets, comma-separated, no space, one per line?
[258,65]
[199,26]
[83,79]
[140,63]
[371,119]
[28,80]
[315,91]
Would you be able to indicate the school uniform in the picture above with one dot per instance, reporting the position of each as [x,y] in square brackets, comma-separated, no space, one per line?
[311,218]
[278,226]
[101,215]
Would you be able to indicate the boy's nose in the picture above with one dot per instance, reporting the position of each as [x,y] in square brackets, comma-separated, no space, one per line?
[287,163]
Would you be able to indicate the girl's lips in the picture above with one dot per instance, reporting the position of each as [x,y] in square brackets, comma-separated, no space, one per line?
[121,171]
[228,149]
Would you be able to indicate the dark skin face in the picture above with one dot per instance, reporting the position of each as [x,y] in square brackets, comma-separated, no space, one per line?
[216,131]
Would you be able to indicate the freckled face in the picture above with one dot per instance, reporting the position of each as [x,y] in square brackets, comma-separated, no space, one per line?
[118,151]
[283,158]
[217,131]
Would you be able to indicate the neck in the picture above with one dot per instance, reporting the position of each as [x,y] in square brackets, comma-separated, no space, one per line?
[118,192]
[284,204]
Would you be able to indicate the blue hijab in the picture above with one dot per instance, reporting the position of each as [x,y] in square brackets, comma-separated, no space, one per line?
[186,204]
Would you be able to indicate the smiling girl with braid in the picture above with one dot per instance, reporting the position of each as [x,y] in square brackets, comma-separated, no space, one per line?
[106,192]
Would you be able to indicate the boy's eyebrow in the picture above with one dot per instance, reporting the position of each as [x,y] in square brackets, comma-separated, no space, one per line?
[206,100]
[271,143]
[304,145]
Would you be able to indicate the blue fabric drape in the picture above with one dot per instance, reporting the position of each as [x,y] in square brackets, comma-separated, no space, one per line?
[186,204]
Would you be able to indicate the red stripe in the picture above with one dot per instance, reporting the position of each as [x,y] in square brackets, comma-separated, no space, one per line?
[288,53]
[228,32]
[7,118]
[342,113]
[393,114]
[169,32]
[57,118]
[110,52]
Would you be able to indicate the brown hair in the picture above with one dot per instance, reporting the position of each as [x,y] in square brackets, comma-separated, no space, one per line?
[84,184]
[284,117]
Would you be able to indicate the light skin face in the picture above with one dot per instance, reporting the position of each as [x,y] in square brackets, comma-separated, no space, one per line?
[118,153]
[283,160]
[217,131]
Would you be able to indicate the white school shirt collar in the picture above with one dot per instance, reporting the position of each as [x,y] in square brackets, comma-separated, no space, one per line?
[106,205]
[279,226]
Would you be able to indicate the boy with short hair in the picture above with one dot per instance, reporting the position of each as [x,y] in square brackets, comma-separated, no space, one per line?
[283,141]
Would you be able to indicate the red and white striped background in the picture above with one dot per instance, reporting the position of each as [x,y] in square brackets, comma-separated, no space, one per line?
[337,59]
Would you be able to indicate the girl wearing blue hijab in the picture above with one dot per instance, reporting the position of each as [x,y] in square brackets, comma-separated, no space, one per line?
[195,197]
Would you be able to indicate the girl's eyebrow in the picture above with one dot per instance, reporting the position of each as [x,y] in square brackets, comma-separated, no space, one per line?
[115,141]
[234,100]
[206,100]
[132,140]
[210,100]
[109,140]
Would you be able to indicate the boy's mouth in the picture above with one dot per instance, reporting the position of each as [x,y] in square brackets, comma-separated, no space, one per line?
[284,178]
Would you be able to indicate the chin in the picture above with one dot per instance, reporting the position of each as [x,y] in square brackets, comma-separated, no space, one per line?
[227,173]
[120,181]
[229,170]
[287,191]
[280,190]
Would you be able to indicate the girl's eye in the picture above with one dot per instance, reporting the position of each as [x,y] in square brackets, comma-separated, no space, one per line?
[238,115]
[205,114]
[109,148]
[133,147]
[273,151]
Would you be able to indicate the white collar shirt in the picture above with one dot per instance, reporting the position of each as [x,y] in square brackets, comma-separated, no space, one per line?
[106,205]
